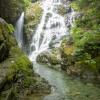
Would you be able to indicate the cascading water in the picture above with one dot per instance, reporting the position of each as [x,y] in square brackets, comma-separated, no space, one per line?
[19,30]
[63,87]
[52,28]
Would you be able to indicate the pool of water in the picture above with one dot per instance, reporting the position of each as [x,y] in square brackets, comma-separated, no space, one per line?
[64,87]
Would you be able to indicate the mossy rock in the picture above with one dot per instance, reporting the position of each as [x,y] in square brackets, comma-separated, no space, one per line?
[6,39]
[33,15]
[62,10]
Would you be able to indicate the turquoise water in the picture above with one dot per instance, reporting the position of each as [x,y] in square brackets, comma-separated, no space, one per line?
[64,87]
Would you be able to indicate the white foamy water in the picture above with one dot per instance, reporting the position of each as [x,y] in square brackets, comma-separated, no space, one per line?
[19,30]
[52,25]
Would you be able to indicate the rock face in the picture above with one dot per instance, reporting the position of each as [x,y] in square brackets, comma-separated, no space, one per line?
[5,39]
[10,10]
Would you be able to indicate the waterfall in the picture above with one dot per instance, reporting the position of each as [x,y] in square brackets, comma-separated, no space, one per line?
[19,30]
[51,29]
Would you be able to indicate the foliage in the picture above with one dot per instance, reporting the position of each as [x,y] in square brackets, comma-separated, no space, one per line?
[21,67]
[27,3]
[36,9]
[32,19]
[13,9]
[6,39]
[86,33]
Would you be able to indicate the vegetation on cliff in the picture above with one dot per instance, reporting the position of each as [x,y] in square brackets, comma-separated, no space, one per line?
[81,52]
[10,10]
[86,35]
[6,39]
[32,17]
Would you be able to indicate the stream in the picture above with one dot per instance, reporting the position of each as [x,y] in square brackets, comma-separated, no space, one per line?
[65,87]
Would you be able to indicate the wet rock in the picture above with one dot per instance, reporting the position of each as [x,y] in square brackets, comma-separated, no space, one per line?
[49,58]
[43,57]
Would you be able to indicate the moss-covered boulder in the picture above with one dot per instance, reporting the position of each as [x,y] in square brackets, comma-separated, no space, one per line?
[46,57]
[43,57]
[51,58]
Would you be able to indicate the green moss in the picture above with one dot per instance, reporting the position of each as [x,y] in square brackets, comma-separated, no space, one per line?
[53,59]
[36,9]
[21,68]
[86,35]
[26,3]
[62,10]
[28,81]
[20,64]
[10,28]
[32,19]
[74,6]
[6,39]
